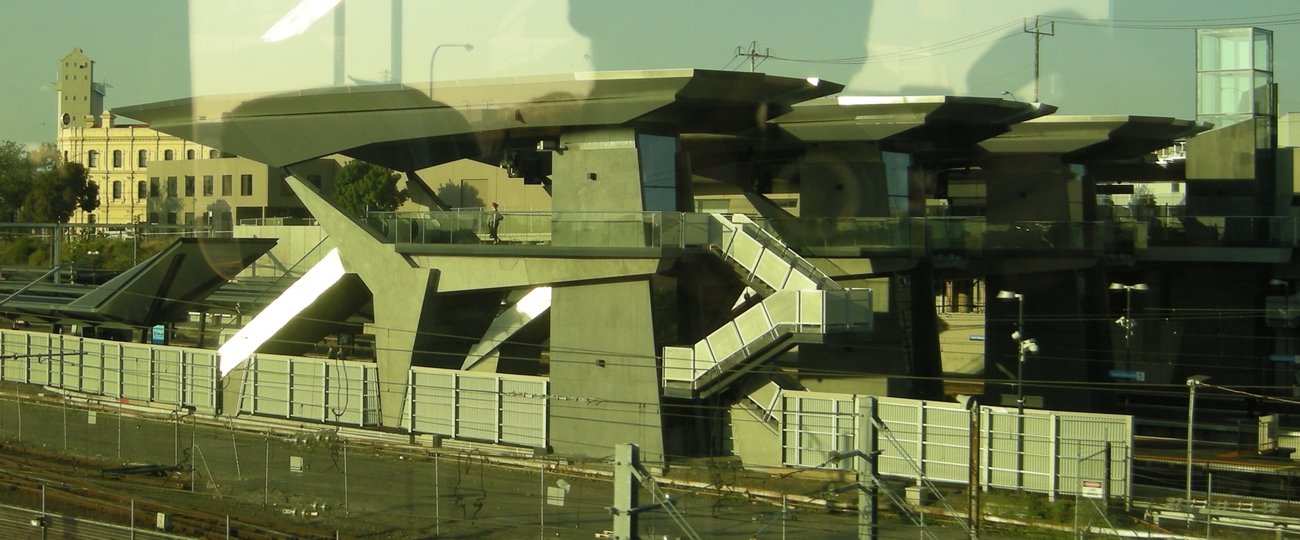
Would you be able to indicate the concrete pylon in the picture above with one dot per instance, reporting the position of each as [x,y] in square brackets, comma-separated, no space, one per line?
[404,317]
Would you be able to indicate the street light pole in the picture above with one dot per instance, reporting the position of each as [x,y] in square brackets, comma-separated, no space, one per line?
[1192,382]
[1126,322]
[1024,346]
[434,56]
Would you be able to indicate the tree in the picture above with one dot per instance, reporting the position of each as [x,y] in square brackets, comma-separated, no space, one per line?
[16,170]
[58,192]
[362,186]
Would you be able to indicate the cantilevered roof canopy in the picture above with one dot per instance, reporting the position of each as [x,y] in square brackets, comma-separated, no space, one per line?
[1080,139]
[409,128]
[914,124]
[163,288]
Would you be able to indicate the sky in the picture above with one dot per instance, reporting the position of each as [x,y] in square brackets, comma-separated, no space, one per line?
[1105,57]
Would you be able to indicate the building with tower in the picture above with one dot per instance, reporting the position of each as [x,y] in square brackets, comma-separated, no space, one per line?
[146,176]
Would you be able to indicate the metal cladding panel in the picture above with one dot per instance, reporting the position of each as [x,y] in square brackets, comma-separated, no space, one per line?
[753,324]
[814,425]
[137,372]
[201,379]
[1082,442]
[68,373]
[15,362]
[477,407]
[725,341]
[679,364]
[746,251]
[523,411]
[167,372]
[812,307]
[307,389]
[782,307]
[112,368]
[772,270]
[271,385]
[346,398]
[38,370]
[91,380]
[434,408]
[1000,452]
[1037,449]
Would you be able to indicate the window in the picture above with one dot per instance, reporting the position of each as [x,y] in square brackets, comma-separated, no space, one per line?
[169,155]
[153,217]
[171,190]
[227,188]
[171,218]
[154,190]
[65,156]
[142,190]
[142,160]
[117,159]
[189,186]
[207,185]
[117,189]
[245,184]
[189,218]
[212,154]
[92,159]
[189,154]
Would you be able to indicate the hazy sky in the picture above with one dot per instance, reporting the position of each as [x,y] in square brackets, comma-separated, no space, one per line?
[1107,57]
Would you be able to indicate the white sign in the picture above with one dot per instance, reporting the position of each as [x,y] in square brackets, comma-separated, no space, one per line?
[555,496]
[1092,489]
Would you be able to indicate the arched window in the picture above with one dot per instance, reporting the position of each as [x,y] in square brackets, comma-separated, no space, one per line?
[169,155]
[212,154]
[189,154]
[117,190]
[143,160]
[142,190]
[92,159]
[117,159]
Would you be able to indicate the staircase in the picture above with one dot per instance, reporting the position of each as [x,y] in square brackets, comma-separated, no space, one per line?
[806,306]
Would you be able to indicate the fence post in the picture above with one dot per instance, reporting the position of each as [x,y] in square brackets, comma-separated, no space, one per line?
[973,491]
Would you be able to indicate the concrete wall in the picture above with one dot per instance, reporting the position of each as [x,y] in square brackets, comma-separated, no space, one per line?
[296,242]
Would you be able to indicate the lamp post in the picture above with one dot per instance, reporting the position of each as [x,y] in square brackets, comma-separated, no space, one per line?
[434,56]
[1024,346]
[1126,322]
[1192,382]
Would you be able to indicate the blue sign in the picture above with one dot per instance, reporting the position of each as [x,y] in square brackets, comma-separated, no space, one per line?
[159,335]
[1284,358]
[1128,375]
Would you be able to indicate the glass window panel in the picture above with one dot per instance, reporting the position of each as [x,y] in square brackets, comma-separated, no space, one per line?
[1263,50]
[1224,93]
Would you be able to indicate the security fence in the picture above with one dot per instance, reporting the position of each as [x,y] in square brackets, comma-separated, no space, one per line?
[1047,452]
[489,407]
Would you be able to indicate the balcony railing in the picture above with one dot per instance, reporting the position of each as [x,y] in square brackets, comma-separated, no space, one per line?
[843,236]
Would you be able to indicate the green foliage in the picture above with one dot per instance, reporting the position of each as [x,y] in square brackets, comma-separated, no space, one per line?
[360,186]
[16,170]
[58,192]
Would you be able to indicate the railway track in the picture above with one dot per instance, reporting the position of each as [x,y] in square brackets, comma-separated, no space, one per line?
[72,483]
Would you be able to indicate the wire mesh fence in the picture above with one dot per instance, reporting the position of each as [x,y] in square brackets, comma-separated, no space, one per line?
[315,476]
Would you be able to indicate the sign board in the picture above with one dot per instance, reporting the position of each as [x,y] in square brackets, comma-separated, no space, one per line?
[555,496]
[159,335]
[975,337]
[1139,376]
[1092,489]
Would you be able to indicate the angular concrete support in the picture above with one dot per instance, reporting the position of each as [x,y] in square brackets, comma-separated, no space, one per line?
[403,320]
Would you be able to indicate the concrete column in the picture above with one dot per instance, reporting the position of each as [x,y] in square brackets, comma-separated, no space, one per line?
[604,365]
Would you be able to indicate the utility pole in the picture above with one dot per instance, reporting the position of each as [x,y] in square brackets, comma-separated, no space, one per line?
[1038,30]
[866,469]
[754,55]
